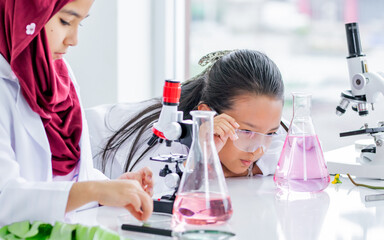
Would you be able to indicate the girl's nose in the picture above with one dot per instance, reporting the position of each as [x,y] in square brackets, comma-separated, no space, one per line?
[258,153]
[71,39]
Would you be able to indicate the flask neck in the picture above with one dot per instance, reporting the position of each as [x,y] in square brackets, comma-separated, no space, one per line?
[301,105]
[301,122]
[202,125]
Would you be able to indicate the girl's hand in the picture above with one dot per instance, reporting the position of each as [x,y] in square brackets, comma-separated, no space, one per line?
[125,193]
[143,176]
[224,127]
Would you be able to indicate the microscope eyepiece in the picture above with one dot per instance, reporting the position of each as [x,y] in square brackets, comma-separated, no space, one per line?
[353,40]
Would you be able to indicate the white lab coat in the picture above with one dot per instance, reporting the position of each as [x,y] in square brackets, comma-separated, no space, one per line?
[27,191]
[104,120]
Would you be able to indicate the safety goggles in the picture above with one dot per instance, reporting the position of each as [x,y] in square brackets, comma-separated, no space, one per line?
[249,141]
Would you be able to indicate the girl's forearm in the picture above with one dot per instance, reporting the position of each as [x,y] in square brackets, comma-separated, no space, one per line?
[81,193]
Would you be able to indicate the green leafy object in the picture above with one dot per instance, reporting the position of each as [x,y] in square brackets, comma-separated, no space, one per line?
[62,231]
[24,230]
[3,231]
[39,236]
[19,229]
[10,236]
[82,232]
[92,232]
[33,231]
[102,234]
[44,232]
[85,232]
[146,224]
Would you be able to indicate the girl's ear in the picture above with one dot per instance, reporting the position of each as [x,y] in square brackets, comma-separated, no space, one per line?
[203,107]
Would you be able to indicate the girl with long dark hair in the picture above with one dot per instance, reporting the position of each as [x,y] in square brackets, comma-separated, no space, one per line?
[246,90]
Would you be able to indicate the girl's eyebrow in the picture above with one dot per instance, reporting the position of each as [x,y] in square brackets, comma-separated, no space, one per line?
[73,13]
[275,129]
[255,127]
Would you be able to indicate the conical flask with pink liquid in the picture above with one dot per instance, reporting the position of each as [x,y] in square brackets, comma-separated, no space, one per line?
[301,167]
[202,197]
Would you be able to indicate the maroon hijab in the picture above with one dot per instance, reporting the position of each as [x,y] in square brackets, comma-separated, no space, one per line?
[45,83]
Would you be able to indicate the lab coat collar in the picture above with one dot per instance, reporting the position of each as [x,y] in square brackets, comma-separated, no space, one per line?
[34,124]
[6,71]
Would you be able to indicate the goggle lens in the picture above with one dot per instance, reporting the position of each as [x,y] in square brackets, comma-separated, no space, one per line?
[249,141]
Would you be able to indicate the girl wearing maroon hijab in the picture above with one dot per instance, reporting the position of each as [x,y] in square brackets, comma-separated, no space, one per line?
[45,161]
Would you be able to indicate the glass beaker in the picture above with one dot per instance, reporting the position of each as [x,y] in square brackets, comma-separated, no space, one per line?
[202,197]
[301,167]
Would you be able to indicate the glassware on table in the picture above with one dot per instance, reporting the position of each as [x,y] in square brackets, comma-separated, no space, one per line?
[202,197]
[301,167]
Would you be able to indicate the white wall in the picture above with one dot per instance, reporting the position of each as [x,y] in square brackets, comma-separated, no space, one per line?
[94,60]
[127,48]
[168,40]
[134,50]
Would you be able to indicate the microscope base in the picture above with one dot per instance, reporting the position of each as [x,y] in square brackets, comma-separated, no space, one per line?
[163,206]
[345,160]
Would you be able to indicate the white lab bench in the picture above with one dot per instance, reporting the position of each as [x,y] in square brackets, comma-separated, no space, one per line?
[339,212]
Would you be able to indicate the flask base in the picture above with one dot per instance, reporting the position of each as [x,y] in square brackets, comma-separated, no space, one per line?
[197,209]
[302,186]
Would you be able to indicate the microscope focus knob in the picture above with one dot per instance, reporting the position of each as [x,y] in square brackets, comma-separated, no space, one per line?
[172,180]
[173,131]
[359,81]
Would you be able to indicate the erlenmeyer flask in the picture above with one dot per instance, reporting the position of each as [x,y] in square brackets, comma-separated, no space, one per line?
[301,167]
[202,197]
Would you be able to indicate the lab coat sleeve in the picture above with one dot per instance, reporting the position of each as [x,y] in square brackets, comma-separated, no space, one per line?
[21,200]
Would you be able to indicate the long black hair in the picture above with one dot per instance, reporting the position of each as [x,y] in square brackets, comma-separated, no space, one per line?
[236,73]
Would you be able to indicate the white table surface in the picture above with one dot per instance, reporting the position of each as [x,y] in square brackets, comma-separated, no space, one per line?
[339,212]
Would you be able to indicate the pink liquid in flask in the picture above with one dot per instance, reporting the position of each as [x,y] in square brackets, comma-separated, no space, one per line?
[194,208]
[301,166]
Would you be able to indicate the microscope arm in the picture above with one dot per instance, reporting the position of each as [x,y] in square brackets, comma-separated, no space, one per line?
[374,87]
